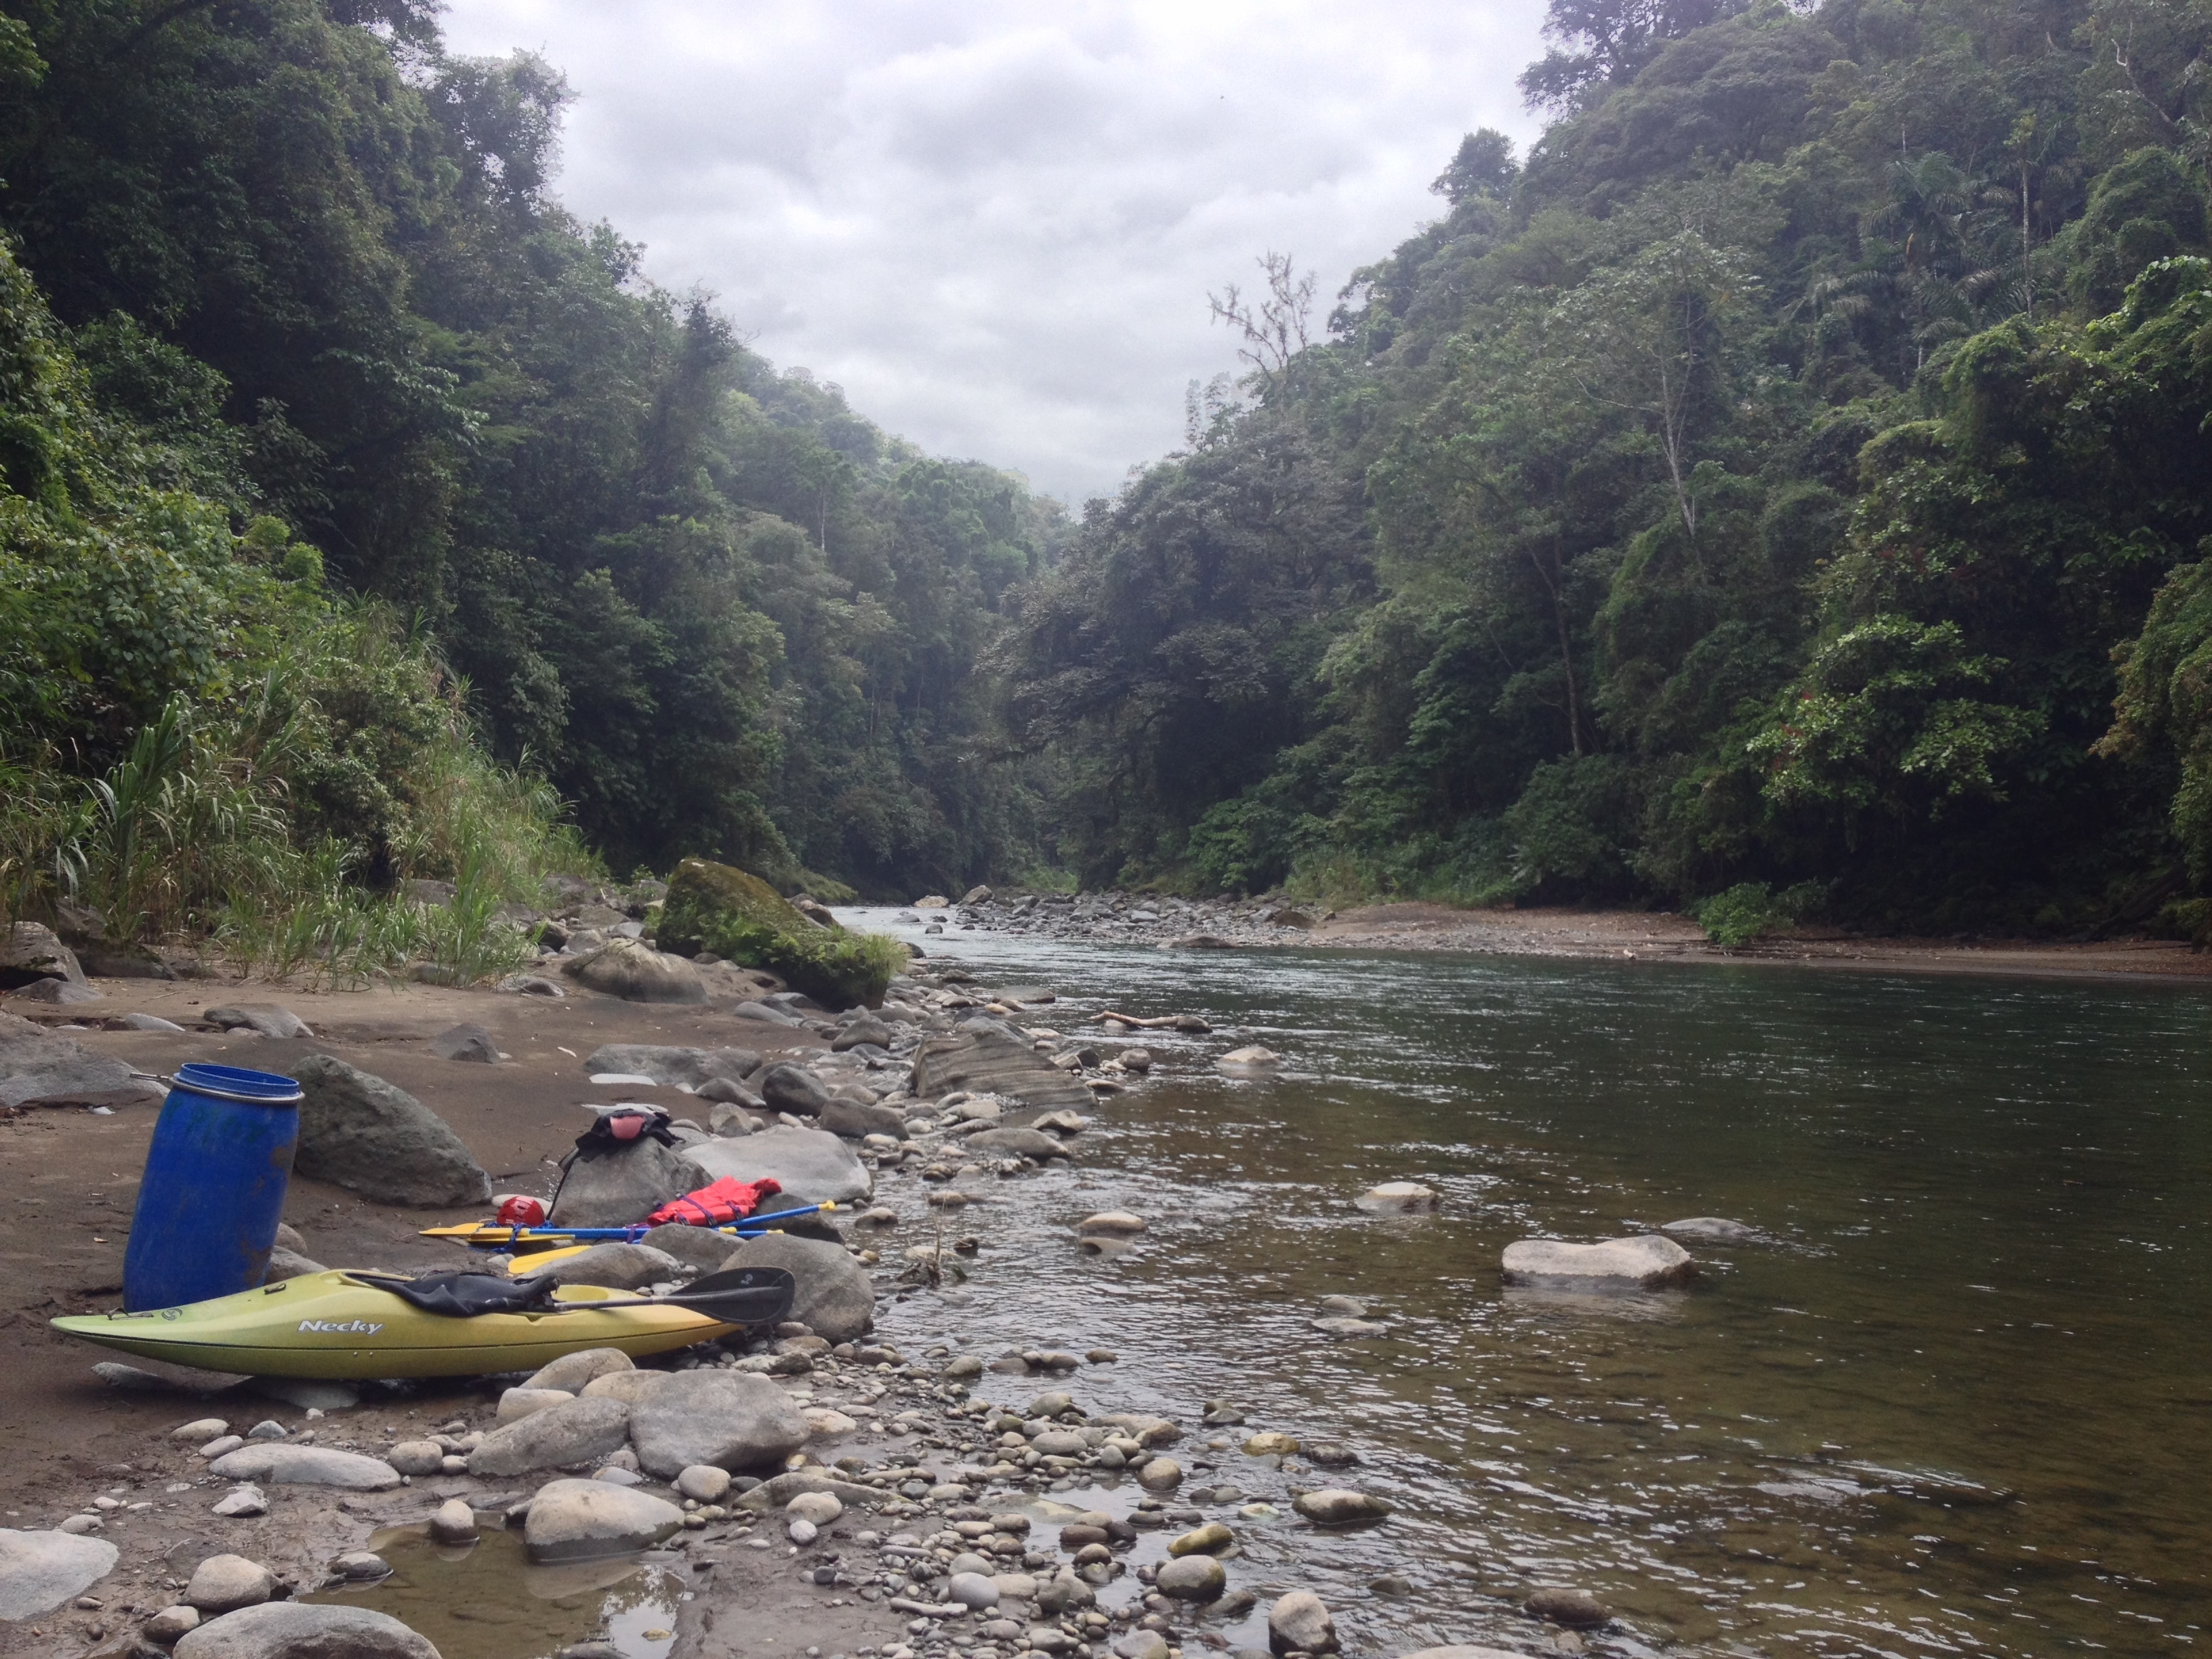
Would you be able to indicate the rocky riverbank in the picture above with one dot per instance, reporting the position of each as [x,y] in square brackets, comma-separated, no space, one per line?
[1148,920]
[825,1493]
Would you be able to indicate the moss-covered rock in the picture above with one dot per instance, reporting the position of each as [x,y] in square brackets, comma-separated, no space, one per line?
[737,916]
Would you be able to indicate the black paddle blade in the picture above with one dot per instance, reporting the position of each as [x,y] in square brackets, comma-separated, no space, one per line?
[742,1296]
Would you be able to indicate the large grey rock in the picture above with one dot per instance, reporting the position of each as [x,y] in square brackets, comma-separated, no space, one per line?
[811,1166]
[835,1296]
[583,1431]
[792,1089]
[37,1068]
[990,1062]
[680,1068]
[468,1043]
[576,1520]
[619,1266]
[622,1186]
[32,952]
[853,1120]
[1333,1506]
[358,1132]
[1192,1578]
[296,1629]
[307,1465]
[636,972]
[1644,1261]
[1018,1143]
[270,1019]
[39,1571]
[732,1419]
[700,1250]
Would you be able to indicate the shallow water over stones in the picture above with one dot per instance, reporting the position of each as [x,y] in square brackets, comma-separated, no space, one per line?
[488,1601]
[1960,1401]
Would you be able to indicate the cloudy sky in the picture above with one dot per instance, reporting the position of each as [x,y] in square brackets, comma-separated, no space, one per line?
[996,224]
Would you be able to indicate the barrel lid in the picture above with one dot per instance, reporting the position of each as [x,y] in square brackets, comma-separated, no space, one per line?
[235,1083]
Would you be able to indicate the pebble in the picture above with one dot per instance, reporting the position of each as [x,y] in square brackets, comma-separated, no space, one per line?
[703,1483]
[362,1566]
[455,1522]
[79,1525]
[1268,1443]
[243,1503]
[221,1445]
[1400,1198]
[201,1429]
[167,1625]
[223,1583]
[802,1532]
[416,1457]
[819,1507]
[268,1429]
[1113,1224]
[1161,1475]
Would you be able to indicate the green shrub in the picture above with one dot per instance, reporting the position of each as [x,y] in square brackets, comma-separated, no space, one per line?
[737,916]
[1751,910]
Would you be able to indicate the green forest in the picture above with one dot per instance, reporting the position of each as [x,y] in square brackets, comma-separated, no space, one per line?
[366,514]
[1785,490]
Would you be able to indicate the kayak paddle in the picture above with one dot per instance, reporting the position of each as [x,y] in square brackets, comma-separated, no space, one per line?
[742,1296]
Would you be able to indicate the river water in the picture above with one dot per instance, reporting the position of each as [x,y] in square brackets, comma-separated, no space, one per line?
[1960,1403]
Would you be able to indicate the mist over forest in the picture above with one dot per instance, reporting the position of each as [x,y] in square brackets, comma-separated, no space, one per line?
[1784,484]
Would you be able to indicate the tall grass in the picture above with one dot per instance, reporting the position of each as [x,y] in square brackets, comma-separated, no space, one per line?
[223,825]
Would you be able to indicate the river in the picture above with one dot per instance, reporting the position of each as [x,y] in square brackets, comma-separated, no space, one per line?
[1962,1402]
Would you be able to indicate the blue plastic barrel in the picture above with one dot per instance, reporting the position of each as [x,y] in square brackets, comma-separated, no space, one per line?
[214,1188]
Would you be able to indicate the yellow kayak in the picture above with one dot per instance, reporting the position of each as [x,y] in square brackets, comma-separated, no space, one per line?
[335,1325]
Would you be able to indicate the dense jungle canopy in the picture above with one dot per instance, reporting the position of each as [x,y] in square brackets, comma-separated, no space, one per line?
[1792,478]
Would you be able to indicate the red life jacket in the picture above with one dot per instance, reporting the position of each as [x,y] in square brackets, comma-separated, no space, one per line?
[717,1204]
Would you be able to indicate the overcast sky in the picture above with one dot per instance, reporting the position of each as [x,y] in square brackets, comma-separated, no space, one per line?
[996,224]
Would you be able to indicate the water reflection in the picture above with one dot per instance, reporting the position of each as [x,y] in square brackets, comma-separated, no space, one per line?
[1959,1402]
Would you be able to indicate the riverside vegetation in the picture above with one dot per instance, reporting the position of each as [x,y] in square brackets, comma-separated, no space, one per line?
[1781,493]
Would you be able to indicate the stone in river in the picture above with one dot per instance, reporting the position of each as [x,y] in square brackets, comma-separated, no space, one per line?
[1644,1261]
[40,1571]
[1713,1229]
[578,1519]
[1345,1307]
[1399,1198]
[296,1629]
[1298,1623]
[1270,1443]
[1577,1609]
[1192,1578]
[1331,1454]
[1111,1224]
[1349,1327]
[1160,1474]
[1333,1507]
[1252,1055]
[1211,1539]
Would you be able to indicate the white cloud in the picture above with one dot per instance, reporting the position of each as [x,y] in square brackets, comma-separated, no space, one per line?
[996,224]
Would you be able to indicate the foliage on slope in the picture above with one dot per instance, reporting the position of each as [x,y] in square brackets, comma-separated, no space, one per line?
[1773,481]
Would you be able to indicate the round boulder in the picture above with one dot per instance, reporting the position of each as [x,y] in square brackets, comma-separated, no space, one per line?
[1192,1578]
[1298,1623]
[224,1583]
